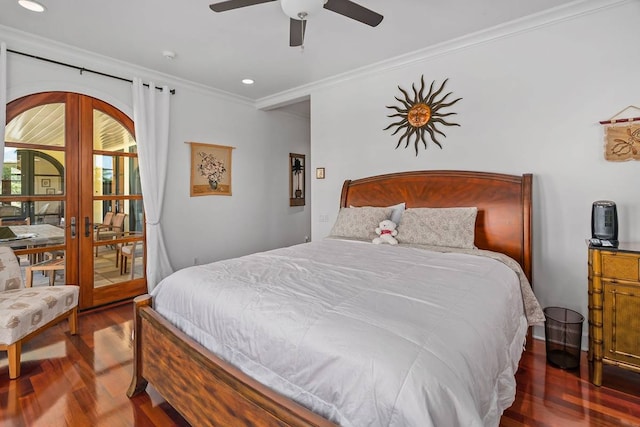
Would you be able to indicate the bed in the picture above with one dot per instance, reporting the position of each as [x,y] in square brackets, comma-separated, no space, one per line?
[346,302]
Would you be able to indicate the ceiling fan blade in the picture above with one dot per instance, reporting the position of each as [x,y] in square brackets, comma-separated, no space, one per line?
[235,4]
[296,32]
[354,11]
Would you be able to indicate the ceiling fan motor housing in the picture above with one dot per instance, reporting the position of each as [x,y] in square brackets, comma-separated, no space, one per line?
[301,9]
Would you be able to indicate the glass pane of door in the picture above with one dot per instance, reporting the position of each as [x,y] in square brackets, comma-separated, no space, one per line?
[117,205]
[41,125]
[32,200]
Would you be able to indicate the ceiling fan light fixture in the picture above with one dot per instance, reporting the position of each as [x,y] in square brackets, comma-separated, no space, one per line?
[32,5]
[301,9]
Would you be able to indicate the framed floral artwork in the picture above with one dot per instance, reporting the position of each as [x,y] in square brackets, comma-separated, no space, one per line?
[210,169]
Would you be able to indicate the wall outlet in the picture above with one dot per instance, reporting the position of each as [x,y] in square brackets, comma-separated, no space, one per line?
[306,239]
[324,218]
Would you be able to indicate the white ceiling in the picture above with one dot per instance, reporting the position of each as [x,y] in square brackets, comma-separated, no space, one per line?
[220,49]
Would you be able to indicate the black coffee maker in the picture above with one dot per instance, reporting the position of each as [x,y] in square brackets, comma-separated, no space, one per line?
[604,224]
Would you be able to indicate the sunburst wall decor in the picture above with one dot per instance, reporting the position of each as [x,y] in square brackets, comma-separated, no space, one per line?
[421,114]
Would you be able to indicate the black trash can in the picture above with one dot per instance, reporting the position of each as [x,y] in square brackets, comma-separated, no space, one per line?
[563,337]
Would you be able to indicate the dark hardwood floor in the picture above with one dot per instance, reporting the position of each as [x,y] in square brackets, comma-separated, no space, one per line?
[81,381]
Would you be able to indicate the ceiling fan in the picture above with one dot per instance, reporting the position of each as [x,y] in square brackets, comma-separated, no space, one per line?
[300,10]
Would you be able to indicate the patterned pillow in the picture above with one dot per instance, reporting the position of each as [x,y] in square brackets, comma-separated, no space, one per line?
[451,227]
[359,223]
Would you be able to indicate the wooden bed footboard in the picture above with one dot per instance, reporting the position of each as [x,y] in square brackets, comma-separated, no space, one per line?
[204,389]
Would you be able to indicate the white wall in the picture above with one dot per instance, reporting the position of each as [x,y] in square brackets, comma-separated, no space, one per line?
[256,217]
[531,104]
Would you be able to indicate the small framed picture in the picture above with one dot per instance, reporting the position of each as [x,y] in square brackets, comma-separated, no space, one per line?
[296,179]
[51,191]
[45,182]
[319,173]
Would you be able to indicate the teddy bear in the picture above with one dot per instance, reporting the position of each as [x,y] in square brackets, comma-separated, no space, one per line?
[386,232]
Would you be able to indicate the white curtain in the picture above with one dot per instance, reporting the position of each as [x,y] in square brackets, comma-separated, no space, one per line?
[151,117]
[3,98]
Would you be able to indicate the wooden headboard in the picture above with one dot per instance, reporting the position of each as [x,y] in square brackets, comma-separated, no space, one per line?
[503,201]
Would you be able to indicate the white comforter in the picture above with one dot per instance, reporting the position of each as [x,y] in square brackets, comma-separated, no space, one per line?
[363,334]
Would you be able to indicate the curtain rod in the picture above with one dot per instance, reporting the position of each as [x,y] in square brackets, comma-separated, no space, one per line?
[81,69]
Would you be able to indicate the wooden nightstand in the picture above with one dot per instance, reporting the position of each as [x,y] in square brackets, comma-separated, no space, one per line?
[614,308]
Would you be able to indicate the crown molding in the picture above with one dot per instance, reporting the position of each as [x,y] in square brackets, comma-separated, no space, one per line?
[543,19]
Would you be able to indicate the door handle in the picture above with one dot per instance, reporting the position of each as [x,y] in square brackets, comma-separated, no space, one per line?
[73,227]
[87,227]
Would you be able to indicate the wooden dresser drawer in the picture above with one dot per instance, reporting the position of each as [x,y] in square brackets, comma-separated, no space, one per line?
[621,266]
[622,323]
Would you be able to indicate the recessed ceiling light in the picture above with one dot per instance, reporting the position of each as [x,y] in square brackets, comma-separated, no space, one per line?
[32,5]
[247,81]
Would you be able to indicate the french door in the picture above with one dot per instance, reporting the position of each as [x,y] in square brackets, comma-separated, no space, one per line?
[71,194]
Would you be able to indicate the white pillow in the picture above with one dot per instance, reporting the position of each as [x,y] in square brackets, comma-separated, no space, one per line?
[359,223]
[450,227]
[396,213]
